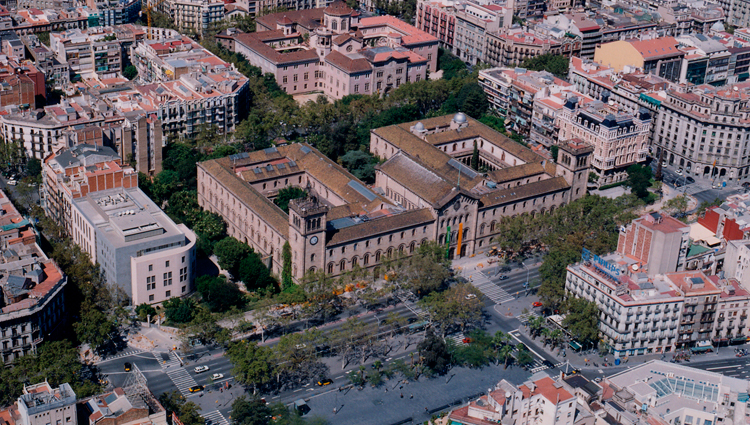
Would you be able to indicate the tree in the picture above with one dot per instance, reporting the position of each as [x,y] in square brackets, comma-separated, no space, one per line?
[179,310]
[523,357]
[287,194]
[95,327]
[130,72]
[457,307]
[253,363]
[639,180]
[186,411]
[677,205]
[554,64]
[536,325]
[286,270]
[144,311]
[472,100]
[320,292]
[230,253]
[34,167]
[582,320]
[705,205]
[361,164]
[203,328]
[218,293]
[425,271]
[475,157]
[250,412]
[554,150]
[210,228]
[434,353]
[255,275]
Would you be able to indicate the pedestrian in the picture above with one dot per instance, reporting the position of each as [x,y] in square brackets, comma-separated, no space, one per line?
[386,390]
[334,410]
[402,395]
[427,410]
[411,396]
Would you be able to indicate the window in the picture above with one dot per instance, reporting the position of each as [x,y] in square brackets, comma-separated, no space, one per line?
[183,274]
[184,288]
[151,298]
[379,74]
[169,293]
[150,267]
[183,259]
[166,264]
[167,279]
[356,88]
[285,79]
[307,76]
[367,86]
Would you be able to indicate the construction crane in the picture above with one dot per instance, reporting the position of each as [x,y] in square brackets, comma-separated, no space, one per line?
[148,10]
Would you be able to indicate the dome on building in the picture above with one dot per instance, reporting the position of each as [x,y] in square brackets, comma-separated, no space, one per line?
[419,127]
[460,118]
[717,26]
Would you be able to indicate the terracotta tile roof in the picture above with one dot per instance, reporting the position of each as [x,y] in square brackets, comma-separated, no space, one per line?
[546,387]
[532,169]
[307,18]
[411,35]
[502,196]
[221,170]
[338,8]
[348,64]
[253,41]
[417,177]
[657,47]
[387,224]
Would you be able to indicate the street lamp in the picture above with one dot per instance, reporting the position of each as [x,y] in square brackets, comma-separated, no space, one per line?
[526,284]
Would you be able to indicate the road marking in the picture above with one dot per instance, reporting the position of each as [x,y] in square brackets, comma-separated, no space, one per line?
[215,418]
[296,391]
[723,367]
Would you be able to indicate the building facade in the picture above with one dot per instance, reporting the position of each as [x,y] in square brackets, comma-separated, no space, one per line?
[424,191]
[620,139]
[32,289]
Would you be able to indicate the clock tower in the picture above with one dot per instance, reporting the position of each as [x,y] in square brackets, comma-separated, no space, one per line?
[307,234]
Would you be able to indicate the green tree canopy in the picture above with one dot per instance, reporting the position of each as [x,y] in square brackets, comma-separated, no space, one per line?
[639,180]
[230,253]
[287,194]
[143,311]
[130,72]
[253,411]
[255,275]
[361,164]
[555,64]
[582,320]
[179,310]
[218,293]
[434,353]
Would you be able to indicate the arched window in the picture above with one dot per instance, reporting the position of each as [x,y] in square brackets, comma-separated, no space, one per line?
[366,259]
[481,229]
[411,247]
[342,265]
[334,25]
[377,257]
[355,262]
[389,253]
[492,226]
[330,268]
[312,257]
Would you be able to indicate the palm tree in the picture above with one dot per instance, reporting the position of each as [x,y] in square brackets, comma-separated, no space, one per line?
[500,339]
[556,337]
[536,324]
[506,354]
[545,332]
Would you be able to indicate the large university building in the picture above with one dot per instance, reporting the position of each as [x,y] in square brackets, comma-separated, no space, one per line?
[424,191]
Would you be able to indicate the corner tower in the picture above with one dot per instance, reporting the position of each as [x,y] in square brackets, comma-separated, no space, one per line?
[573,163]
[307,234]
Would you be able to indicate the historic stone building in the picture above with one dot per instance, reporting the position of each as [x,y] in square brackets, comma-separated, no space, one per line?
[424,191]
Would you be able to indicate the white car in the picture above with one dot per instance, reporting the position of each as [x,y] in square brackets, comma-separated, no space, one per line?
[679,171]
[200,369]
[12,182]
[217,376]
[470,296]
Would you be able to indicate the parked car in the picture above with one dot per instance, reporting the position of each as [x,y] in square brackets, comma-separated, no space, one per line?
[217,376]
[536,304]
[201,369]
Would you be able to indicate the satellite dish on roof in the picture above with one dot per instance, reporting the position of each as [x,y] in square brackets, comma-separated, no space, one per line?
[634,267]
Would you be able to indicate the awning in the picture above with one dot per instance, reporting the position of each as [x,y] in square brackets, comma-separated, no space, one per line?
[700,233]
[739,339]
[574,345]
[700,349]
[743,397]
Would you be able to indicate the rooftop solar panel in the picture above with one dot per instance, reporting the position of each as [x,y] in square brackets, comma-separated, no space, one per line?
[367,193]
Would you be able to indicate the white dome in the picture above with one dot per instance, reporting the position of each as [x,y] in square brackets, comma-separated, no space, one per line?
[718,27]
[419,127]
[460,118]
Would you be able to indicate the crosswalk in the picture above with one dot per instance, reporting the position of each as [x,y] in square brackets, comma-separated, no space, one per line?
[123,354]
[524,317]
[172,366]
[492,291]
[541,367]
[458,338]
[215,418]
[414,308]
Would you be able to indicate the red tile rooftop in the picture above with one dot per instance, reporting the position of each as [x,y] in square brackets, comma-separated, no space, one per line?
[546,387]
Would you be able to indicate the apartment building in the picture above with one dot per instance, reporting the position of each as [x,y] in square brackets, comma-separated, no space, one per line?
[46,61]
[579,25]
[513,46]
[512,92]
[543,401]
[116,12]
[75,172]
[706,60]
[730,326]
[660,56]
[704,130]
[186,87]
[41,404]
[660,241]
[32,288]
[544,127]
[333,51]
[192,15]
[620,139]
[414,199]
[88,52]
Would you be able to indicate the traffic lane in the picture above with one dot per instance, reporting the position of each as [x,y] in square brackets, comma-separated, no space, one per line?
[711,194]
